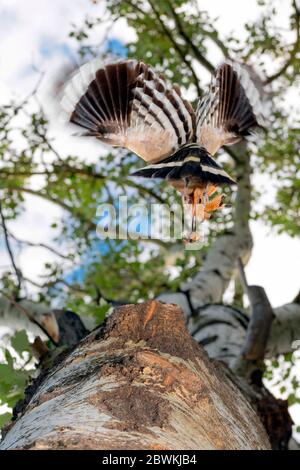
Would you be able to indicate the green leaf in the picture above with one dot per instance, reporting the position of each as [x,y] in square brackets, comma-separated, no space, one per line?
[292,399]
[7,374]
[8,357]
[4,418]
[20,342]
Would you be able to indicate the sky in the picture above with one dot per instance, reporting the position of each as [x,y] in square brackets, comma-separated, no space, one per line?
[33,39]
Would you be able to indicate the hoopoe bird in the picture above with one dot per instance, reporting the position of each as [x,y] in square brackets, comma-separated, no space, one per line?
[127,104]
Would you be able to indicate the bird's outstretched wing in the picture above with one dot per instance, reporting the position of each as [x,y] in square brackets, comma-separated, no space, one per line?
[126,104]
[231,108]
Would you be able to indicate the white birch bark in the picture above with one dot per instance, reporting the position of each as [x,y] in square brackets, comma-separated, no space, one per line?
[141,382]
[221,330]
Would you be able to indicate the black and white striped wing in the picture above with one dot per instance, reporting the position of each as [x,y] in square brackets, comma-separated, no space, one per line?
[230,110]
[126,104]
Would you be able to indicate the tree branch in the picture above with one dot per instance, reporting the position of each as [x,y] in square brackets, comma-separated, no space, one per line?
[181,53]
[294,51]
[142,359]
[259,326]
[222,330]
[39,245]
[213,35]
[285,330]
[64,168]
[195,50]
[29,315]
[261,318]
[10,252]
[73,211]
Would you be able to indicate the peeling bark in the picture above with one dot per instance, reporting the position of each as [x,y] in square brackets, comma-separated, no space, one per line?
[139,382]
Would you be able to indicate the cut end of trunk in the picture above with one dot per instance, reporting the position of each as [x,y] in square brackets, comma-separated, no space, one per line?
[140,382]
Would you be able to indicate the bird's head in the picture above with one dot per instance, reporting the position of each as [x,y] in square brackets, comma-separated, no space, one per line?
[201,202]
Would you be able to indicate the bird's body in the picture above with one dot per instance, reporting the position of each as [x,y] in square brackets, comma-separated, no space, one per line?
[191,165]
[126,104]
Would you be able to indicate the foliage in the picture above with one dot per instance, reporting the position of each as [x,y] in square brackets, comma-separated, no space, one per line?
[281,374]
[15,372]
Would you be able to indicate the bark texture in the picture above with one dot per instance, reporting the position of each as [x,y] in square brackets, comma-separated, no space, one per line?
[139,382]
[221,329]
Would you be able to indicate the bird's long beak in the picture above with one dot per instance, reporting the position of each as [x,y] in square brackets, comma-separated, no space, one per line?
[198,201]
[201,206]
[194,222]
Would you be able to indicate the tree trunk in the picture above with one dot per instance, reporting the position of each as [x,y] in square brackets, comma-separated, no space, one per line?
[139,382]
